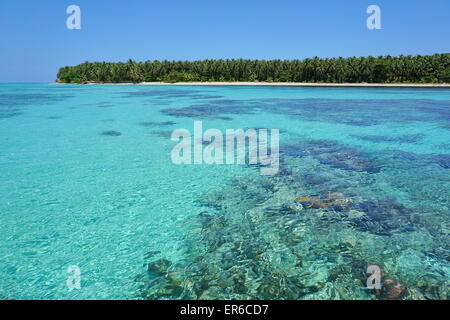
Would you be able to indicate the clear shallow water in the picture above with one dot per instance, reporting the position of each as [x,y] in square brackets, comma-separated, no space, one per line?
[86,179]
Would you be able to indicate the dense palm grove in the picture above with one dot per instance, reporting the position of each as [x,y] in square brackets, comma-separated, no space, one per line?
[385,69]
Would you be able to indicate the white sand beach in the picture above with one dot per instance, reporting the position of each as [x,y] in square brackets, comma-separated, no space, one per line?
[287,84]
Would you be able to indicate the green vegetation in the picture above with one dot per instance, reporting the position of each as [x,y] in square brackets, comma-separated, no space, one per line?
[386,69]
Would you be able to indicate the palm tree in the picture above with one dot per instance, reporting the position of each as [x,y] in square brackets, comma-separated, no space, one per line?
[433,68]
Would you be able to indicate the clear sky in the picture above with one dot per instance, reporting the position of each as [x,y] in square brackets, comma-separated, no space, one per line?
[35,42]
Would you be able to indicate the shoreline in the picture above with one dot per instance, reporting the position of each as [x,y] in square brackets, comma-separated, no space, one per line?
[280,84]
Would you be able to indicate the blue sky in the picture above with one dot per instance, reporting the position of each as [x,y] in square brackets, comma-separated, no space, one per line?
[35,41]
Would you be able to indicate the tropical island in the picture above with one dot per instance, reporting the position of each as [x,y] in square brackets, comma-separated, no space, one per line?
[418,69]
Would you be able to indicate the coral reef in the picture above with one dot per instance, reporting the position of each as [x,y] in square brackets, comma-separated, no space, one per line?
[282,246]
[306,234]
[111,133]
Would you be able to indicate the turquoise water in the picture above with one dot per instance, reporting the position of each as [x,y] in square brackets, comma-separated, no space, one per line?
[87,180]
